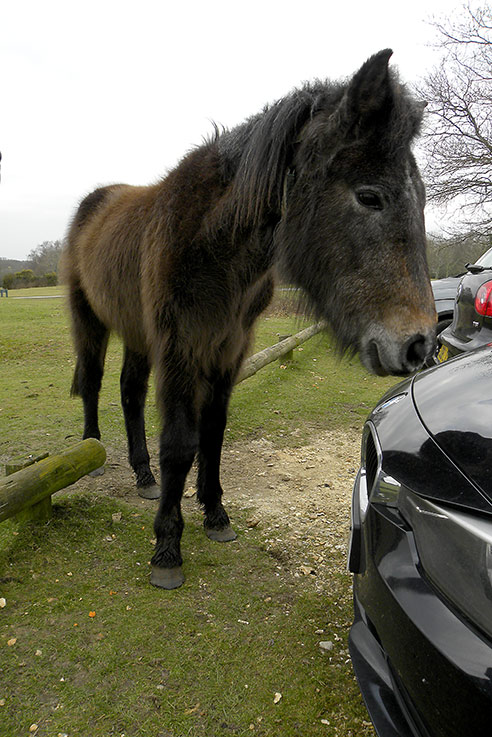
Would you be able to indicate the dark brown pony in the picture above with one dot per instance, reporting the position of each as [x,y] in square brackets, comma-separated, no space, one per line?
[323,186]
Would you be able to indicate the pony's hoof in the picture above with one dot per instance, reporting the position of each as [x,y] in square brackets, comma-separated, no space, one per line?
[150,492]
[224,535]
[97,472]
[167,578]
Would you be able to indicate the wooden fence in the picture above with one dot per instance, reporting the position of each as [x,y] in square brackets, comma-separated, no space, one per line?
[282,348]
[26,493]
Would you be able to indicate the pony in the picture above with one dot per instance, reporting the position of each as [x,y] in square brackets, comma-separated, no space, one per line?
[320,187]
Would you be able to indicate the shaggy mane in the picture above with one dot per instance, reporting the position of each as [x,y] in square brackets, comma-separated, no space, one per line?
[256,155]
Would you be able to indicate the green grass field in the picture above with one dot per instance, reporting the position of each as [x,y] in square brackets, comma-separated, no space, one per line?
[88,647]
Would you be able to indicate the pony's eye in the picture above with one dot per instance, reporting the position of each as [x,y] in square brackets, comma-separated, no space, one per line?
[369,198]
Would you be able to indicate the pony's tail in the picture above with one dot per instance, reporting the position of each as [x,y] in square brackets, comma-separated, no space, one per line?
[74,389]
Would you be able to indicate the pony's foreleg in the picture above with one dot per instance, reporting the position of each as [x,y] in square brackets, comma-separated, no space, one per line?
[133,385]
[179,441]
[209,490]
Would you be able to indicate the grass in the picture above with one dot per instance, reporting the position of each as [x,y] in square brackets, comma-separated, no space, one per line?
[205,660]
[37,292]
[88,647]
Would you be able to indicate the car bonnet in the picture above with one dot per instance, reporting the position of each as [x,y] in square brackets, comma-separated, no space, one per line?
[454,403]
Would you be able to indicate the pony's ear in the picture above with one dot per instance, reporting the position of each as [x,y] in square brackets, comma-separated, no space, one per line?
[368,95]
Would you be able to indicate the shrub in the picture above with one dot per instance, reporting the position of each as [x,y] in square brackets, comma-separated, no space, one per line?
[50,279]
[27,278]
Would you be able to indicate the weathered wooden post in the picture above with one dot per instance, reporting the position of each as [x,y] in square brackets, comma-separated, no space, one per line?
[26,493]
[256,362]
[40,511]
[289,356]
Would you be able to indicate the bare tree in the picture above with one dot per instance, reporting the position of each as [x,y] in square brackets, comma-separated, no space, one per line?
[448,255]
[458,137]
[45,257]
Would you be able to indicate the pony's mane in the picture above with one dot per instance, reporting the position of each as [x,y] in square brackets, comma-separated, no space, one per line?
[256,155]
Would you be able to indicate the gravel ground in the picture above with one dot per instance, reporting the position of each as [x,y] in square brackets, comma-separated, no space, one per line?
[306,491]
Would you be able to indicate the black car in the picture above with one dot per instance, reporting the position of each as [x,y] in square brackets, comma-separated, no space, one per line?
[421,555]
[471,326]
[444,291]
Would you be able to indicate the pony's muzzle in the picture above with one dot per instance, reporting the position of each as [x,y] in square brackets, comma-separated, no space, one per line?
[382,353]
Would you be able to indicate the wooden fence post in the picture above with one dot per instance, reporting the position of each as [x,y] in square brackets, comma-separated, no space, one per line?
[43,509]
[256,362]
[28,491]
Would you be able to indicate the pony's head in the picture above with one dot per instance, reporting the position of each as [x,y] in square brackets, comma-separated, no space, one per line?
[351,231]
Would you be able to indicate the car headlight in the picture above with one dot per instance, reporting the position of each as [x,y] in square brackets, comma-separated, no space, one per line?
[381,487]
[455,551]
[372,484]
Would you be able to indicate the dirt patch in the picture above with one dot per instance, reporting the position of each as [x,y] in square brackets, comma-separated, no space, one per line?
[299,497]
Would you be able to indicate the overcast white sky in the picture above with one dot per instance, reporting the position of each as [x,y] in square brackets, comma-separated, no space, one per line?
[101,91]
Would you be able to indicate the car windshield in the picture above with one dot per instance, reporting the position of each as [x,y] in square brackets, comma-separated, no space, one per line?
[485,260]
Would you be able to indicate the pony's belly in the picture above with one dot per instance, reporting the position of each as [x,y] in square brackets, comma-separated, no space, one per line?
[120,311]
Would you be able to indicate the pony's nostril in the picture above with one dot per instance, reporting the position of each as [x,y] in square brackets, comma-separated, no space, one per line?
[417,350]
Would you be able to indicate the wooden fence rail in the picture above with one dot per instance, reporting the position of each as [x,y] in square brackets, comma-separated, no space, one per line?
[261,359]
[27,493]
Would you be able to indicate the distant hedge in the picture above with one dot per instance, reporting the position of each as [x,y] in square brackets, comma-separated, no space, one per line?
[27,278]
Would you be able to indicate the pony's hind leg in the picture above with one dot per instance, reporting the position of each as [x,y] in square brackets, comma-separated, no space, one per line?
[209,490]
[91,340]
[134,384]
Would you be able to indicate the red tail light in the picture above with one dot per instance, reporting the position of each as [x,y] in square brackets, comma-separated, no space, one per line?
[483,300]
